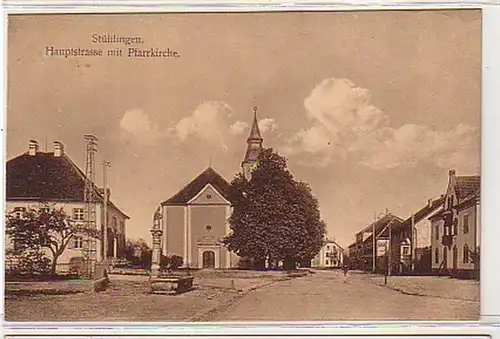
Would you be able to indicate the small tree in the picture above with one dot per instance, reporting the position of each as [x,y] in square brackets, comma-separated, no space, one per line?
[46,227]
[170,263]
[138,253]
[475,258]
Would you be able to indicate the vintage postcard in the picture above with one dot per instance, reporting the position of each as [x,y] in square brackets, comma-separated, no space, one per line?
[228,167]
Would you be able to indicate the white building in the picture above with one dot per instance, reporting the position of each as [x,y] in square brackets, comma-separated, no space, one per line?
[331,255]
[35,178]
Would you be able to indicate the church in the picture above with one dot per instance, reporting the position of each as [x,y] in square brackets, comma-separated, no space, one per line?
[195,219]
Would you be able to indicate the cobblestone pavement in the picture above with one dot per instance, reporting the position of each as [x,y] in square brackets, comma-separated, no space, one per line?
[325,296]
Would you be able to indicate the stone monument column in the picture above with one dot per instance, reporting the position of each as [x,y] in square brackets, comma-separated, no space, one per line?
[156,233]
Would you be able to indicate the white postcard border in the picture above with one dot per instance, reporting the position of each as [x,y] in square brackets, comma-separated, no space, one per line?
[490,172]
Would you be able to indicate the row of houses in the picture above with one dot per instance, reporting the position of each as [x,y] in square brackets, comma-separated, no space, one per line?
[442,237]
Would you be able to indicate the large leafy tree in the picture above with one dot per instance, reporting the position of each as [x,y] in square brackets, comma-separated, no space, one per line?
[45,227]
[274,216]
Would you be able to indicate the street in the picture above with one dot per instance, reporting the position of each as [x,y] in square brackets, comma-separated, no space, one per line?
[325,296]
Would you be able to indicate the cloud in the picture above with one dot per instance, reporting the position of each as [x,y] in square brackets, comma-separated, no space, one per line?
[210,122]
[138,125]
[343,123]
[238,127]
[267,125]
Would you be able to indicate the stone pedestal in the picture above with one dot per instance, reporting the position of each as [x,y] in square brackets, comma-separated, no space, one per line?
[156,255]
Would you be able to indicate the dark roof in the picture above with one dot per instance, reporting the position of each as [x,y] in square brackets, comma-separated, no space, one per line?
[46,177]
[425,211]
[380,225]
[467,185]
[254,131]
[209,176]
[43,176]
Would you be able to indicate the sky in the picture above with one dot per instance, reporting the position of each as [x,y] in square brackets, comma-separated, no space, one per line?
[371,108]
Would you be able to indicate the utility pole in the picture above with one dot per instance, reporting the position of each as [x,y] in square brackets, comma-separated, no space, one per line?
[413,242]
[389,261]
[105,165]
[374,243]
[90,245]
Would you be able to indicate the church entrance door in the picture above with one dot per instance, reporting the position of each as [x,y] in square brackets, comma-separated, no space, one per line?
[208,259]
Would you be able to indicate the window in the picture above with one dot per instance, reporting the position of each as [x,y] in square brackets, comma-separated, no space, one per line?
[466,224]
[327,247]
[466,254]
[208,228]
[327,262]
[436,256]
[406,250]
[114,223]
[455,226]
[77,242]
[78,214]
[209,196]
[437,232]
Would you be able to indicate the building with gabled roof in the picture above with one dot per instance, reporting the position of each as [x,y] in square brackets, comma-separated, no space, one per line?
[331,255]
[456,231]
[208,177]
[412,239]
[195,219]
[35,177]
[366,247]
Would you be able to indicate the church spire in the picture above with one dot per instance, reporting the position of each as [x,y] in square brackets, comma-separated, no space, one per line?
[254,132]
[254,147]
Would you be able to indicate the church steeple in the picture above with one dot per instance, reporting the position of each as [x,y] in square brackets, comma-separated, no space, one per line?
[254,132]
[254,147]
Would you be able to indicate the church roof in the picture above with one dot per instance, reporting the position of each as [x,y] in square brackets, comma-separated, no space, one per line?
[209,176]
[255,131]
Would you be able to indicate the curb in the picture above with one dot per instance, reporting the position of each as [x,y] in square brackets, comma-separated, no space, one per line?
[416,294]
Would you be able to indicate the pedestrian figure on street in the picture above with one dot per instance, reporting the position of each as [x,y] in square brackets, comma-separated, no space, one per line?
[345,268]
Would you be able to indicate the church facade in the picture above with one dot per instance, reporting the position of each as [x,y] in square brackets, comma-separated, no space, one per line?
[195,219]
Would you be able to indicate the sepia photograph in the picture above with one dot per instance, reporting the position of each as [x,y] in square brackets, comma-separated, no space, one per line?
[243,167]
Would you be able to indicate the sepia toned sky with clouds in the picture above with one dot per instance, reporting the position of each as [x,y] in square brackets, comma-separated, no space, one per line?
[371,108]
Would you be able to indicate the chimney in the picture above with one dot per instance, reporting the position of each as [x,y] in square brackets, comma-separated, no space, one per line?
[429,203]
[33,147]
[58,149]
[451,173]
